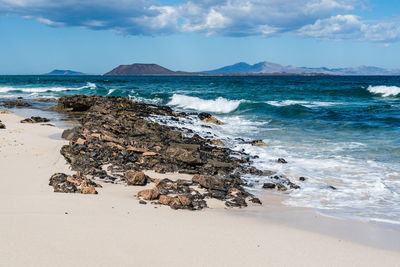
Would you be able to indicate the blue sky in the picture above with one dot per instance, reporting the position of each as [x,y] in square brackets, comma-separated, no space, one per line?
[95,36]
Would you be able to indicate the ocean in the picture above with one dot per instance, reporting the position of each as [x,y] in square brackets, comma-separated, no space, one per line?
[341,133]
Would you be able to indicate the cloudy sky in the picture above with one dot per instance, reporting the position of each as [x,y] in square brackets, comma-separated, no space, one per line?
[94,36]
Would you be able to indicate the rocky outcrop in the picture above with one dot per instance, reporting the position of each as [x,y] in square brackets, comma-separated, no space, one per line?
[117,140]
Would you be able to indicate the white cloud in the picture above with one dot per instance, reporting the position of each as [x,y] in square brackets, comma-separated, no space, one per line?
[345,27]
[322,19]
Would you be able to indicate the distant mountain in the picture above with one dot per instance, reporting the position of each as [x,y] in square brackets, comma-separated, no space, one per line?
[268,67]
[142,69]
[64,72]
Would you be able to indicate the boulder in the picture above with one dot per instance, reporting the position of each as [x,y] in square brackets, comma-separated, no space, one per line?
[208,118]
[269,186]
[258,143]
[209,182]
[136,177]
[149,194]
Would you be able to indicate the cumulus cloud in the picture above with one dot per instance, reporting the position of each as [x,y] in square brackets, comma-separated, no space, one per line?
[350,27]
[322,19]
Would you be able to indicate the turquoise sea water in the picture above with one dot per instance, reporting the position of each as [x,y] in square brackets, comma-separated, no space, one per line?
[335,131]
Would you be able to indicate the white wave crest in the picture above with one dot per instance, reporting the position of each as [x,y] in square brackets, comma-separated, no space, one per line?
[6,89]
[219,105]
[384,90]
[308,104]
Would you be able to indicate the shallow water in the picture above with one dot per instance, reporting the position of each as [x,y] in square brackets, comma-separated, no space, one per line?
[335,131]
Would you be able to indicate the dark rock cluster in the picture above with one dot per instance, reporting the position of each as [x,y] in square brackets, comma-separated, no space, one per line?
[116,141]
[72,184]
[2,126]
[15,104]
[35,120]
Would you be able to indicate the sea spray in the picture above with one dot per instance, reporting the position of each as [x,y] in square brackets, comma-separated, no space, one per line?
[219,105]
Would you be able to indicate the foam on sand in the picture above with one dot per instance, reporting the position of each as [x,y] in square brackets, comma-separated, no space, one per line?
[219,105]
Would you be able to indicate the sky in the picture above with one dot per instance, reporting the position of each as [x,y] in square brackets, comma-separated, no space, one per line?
[37,36]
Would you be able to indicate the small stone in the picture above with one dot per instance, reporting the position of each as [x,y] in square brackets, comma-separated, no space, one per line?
[282,160]
[258,143]
[302,178]
[142,202]
[332,187]
[269,185]
[149,154]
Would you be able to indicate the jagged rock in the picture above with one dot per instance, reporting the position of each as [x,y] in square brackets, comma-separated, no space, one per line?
[208,118]
[70,184]
[215,142]
[136,177]
[35,120]
[15,104]
[282,160]
[2,126]
[209,182]
[258,143]
[4,111]
[149,194]
[269,186]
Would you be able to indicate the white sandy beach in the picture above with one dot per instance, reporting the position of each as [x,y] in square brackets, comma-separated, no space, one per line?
[41,228]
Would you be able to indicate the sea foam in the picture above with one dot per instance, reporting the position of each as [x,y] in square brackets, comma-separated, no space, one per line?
[219,105]
[6,89]
[384,90]
[308,104]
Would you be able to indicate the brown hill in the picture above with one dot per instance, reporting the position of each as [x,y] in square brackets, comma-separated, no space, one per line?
[142,69]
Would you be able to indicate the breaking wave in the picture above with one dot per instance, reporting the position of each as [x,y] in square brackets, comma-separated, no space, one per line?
[6,89]
[219,105]
[308,104]
[384,90]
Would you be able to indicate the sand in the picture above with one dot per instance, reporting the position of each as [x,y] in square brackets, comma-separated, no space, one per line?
[42,228]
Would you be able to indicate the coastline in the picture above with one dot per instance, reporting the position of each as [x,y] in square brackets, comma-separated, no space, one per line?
[40,227]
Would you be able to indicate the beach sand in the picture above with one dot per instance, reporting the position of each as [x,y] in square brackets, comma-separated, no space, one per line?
[41,228]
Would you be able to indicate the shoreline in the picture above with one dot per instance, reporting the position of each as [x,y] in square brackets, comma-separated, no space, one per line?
[113,228]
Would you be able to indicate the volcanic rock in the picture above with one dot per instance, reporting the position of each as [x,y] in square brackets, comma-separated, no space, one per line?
[258,143]
[136,177]
[35,120]
[269,185]
[282,160]
[15,104]
[149,194]
[208,118]
[72,184]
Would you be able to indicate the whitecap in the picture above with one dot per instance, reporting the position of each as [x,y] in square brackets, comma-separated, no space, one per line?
[6,89]
[308,104]
[219,105]
[384,90]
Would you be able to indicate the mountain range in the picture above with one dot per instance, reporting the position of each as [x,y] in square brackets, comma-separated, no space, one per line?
[64,72]
[269,68]
[242,68]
